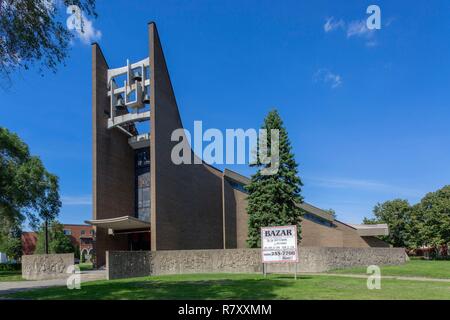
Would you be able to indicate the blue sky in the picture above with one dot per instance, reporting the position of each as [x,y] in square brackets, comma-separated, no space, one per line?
[367,112]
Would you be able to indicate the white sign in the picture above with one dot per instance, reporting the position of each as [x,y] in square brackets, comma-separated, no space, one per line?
[279,244]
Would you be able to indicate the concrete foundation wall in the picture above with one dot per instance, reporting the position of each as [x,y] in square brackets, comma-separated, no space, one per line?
[127,264]
[123,264]
[46,266]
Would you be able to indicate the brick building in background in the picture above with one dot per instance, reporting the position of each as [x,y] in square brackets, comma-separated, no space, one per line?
[82,237]
[29,240]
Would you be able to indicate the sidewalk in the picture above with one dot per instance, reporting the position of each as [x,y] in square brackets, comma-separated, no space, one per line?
[14,286]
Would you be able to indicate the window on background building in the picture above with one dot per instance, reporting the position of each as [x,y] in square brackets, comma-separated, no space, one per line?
[92,232]
[86,241]
[83,232]
[67,232]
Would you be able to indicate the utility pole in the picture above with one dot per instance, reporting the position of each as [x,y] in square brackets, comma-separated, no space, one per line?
[46,236]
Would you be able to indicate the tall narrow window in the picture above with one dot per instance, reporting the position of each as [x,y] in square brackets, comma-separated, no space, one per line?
[143,184]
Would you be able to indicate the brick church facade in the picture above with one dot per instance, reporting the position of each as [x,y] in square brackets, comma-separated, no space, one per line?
[143,201]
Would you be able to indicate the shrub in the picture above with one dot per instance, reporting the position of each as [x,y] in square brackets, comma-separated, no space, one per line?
[10,266]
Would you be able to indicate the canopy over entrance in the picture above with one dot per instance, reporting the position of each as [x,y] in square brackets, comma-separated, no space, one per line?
[370,230]
[125,223]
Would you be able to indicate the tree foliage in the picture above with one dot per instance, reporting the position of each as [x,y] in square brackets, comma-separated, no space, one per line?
[396,214]
[27,189]
[31,33]
[11,242]
[273,199]
[426,223]
[332,213]
[430,223]
[58,242]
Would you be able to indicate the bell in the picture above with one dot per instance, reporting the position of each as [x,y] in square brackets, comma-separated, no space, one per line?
[120,105]
[146,99]
[137,76]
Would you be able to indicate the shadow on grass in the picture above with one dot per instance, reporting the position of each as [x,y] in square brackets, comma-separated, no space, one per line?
[10,275]
[154,289]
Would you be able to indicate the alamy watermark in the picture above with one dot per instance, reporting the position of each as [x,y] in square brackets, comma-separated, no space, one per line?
[74,280]
[373,22]
[75,20]
[374,280]
[236,146]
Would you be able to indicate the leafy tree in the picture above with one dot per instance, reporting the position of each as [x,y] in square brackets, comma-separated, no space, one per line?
[397,215]
[30,33]
[27,189]
[431,219]
[77,252]
[11,242]
[332,213]
[58,241]
[274,199]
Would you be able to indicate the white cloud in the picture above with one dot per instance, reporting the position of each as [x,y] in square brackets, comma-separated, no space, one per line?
[353,29]
[358,29]
[371,43]
[88,33]
[76,200]
[331,24]
[362,184]
[328,77]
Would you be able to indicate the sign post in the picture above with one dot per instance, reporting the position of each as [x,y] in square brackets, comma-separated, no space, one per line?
[279,245]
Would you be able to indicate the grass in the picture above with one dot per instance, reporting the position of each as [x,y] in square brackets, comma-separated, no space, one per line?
[242,286]
[10,276]
[86,266]
[413,268]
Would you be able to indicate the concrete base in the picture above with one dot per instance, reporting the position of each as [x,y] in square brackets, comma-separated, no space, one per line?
[125,264]
[46,266]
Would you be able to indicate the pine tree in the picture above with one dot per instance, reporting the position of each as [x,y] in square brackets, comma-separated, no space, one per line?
[274,199]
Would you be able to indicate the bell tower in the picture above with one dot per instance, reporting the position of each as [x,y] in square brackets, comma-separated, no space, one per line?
[142,200]
[129,95]
[121,155]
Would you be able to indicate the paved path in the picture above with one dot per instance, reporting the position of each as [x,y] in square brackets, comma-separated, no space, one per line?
[362,276]
[14,286]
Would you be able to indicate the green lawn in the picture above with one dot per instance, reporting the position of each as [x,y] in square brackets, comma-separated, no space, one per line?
[86,266]
[10,276]
[243,286]
[413,268]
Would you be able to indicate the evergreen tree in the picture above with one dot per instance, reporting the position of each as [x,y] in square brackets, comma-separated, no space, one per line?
[274,199]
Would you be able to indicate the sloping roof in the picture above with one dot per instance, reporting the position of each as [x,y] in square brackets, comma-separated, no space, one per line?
[364,230]
[369,230]
[316,211]
[236,177]
[305,206]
